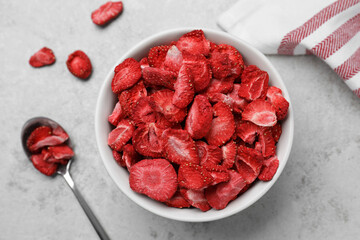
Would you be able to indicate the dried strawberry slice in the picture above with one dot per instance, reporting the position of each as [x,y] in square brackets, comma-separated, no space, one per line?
[248,163]
[157,55]
[274,95]
[45,136]
[126,75]
[228,151]
[177,201]
[130,97]
[198,121]
[209,154]
[43,166]
[238,103]
[222,126]
[276,131]
[193,176]
[119,136]
[129,156]
[254,83]
[43,57]
[269,169]
[155,178]
[267,142]
[118,158]
[184,88]
[147,140]
[106,12]
[179,147]
[60,152]
[247,131]
[199,69]
[144,111]
[196,198]
[144,62]
[159,77]
[173,59]
[261,113]
[117,114]
[79,64]
[246,171]
[194,42]
[219,86]
[220,195]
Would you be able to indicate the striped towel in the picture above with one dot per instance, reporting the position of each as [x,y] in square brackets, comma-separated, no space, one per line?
[326,28]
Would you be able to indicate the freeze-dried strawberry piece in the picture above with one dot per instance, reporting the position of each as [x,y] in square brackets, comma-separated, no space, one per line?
[194,42]
[252,160]
[118,158]
[178,201]
[254,83]
[147,140]
[239,103]
[276,131]
[79,64]
[106,12]
[274,95]
[208,154]
[144,111]
[43,57]
[196,198]
[45,136]
[220,195]
[260,112]
[126,75]
[159,77]
[119,136]
[184,88]
[129,156]
[173,59]
[198,121]
[226,61]
[199,69]
[144,62]
[219,173]
[163,123]
[228,151]
[157,55]
[164,105]
[179,147]
[267,142]
[245,171]
[59,152]
[117,114]
[219,86]
[193,176]
[130,97]
[247,131]
[222,126]
[155,178]
[269,169]
[43,166]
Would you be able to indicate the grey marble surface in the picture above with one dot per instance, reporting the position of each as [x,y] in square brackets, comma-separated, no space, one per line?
[316,197]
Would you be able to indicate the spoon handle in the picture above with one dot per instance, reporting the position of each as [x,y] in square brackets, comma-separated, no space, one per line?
[96,224]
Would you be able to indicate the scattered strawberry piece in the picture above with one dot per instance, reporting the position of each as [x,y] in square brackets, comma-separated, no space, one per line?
[43,166]
[43,57]
[178,201]
[198,121]
[261,113]
[209,154]
[228,151]
[184,88]
[147,140]
[126,75]
[129,156]
[222,126]
[106,12]
[129,98]
[155,178]
[119,136]
[193,176]
[159,77]
[173,59]
[247,131]
[196,198]
[79,64]
[157,55]
[276,131]
[60,152]
[267,142]
[220,195]
[269,169]
[144,111]
[199,68]
[274,95]
[179,147]
[118,158]
[116,115]
[194,42]
[45,136]
[254,83]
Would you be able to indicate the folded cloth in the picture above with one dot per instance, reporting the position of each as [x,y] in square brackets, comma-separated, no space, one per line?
[326,28]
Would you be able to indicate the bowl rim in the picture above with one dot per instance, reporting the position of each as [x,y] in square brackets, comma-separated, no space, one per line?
[211,217]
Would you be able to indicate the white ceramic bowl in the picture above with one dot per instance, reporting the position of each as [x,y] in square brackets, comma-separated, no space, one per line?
[107,100]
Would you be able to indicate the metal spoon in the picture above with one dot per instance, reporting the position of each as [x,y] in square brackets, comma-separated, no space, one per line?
[63,170]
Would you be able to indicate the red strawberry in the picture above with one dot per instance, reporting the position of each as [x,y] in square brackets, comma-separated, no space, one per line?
[117,114]
[129,98]
[43,166]
[45,136]
[79,64]
[194,42]
[196,198]
[184,88]
[261,113]
[252,159]
[159,77]
[43,57]
[219,173]
[274,95]
[106,12]
[127,74]
[220,195]
[157,55]
[267,142]
[177,201]
[200,70]
[155,178]
[209,154]
[118,158]
[219,86]
[229,151]
[247,131]
[163,103]
[193,176]
[147,140]
[60,152]
[276,131]
[179,147]
[222,126]
[254,83]
[129,156]
[269,169]
[173,59]
[144,62]
[119,136]
[246,171]
[198,121]
[144,111]
[163,123]
[239,103]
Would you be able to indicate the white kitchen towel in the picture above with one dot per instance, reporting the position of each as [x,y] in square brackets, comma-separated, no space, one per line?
[326,28]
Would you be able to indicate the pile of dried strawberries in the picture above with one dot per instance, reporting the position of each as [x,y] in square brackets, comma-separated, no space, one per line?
[194,125]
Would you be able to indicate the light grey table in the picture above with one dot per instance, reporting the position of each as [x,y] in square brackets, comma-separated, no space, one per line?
[316,197]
